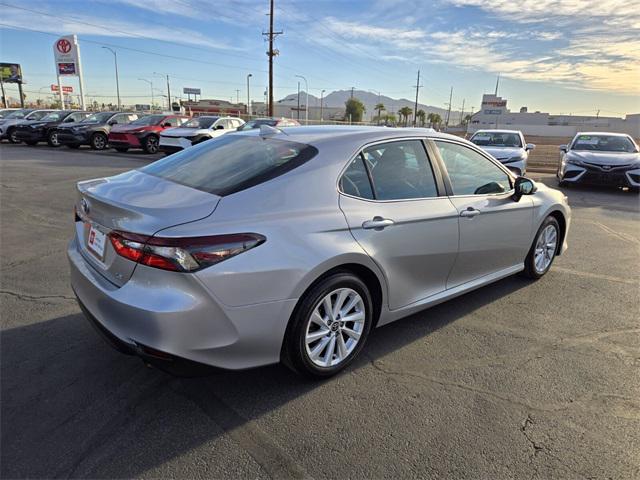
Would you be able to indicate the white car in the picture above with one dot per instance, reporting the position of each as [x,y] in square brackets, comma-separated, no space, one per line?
[197,130]
[507,146]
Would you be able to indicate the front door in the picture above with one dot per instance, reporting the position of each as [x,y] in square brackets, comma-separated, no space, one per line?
[495,231]
[398,215]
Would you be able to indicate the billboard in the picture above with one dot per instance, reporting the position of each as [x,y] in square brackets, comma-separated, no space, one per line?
[11,72]
[65,53]
[191,91]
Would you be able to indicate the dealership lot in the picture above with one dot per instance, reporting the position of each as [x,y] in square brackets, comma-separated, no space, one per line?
[536,379]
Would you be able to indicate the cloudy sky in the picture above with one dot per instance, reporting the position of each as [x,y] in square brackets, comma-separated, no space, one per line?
[565,56]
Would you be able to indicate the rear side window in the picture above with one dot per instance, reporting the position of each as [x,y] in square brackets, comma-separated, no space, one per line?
[231,163]
[355,180]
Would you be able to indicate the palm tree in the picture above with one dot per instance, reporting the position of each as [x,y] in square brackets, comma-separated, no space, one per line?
[434,119]
[379,107]
[421,115]
[405,112]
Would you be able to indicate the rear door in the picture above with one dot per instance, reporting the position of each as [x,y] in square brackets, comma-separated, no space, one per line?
[495,231]
[396,208]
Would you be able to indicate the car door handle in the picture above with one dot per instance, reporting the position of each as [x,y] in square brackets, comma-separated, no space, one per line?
[470,212]
[377,223]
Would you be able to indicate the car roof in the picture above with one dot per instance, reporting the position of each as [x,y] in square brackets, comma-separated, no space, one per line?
[497,130]
[612,134]
[316,134]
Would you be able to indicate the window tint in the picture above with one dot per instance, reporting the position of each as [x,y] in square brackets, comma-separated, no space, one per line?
[231,163]
[470,172]
[78,116]
[400,170]
[355,180]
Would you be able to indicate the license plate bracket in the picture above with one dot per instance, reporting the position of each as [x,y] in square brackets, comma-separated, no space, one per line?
[96,242]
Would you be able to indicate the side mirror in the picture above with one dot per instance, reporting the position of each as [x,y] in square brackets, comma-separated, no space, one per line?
[219,127]
[166,124]
[563,148]
[69,120]
[529,147]
[523,186]
[113,122]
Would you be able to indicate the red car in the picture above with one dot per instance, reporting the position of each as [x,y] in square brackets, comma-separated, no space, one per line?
[143,133]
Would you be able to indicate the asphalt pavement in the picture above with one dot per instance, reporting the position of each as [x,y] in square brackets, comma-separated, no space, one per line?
[520,379]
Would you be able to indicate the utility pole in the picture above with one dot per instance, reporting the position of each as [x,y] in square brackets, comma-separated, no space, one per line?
[352,88]
[415,109]
[306,107]
[237,96]
[497,83]
[115,59]
[462,113]
[271,53]
[169,94]
[446,123]
[298,109]
[248,95]
[321,104]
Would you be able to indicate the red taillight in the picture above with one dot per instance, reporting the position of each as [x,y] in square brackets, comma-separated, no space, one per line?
[182,254]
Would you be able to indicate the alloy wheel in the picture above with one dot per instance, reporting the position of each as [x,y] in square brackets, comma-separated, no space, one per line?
[152,144]
[334,328]
[53,138]
[99,142]
[546,247]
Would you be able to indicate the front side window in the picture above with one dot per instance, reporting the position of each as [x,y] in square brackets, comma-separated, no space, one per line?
[230,163]
[101,117]
[471,173]
[148,120]
[37,115]
[400,170]
[355,180]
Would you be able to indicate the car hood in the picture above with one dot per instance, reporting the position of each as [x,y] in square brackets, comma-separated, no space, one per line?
[502,153]
[604,158]
[184,132]
[13,121]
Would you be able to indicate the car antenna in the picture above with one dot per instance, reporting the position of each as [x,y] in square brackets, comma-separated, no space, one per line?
[268,130]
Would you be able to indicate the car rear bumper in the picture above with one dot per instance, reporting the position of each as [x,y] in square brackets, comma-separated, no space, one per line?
[616,177]
[175,314]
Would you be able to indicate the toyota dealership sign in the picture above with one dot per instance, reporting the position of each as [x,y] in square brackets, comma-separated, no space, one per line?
[65,53]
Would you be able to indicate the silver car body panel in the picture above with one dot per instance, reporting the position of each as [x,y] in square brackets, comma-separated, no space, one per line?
[234,314]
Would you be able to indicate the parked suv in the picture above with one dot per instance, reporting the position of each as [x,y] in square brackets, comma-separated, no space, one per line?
[507,146]
[8,124]
[93,130]
[197,130]
[143,133]
[271,122]
[45,129]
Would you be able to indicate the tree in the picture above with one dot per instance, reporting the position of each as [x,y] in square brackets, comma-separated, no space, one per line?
[467,119]
[434,119]
[404,112]
[379,107]
[421,115]
[354,110]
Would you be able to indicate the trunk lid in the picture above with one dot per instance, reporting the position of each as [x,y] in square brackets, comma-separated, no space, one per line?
[133,202]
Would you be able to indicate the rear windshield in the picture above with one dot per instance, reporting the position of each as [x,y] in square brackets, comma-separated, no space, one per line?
[497,139]
[231,163]
[256,124]
[604,143]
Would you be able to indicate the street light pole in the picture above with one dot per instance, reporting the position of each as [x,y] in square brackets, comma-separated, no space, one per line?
[322,104]
[168,88]
[248,96]
[151,85]
[115,59]
[306,107]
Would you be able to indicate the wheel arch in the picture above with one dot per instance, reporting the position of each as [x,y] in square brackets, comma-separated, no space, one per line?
[562,221]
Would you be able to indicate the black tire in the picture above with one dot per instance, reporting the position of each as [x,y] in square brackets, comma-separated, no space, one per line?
[11,135]
[530,270]
[121,149]
[151,144]
[75,146]
[31,143]
[294,349]
[52,139]
[98,141]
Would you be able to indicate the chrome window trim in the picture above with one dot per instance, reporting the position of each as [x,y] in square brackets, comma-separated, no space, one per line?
[361,149]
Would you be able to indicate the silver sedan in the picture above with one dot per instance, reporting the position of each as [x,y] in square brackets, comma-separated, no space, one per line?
[268,245]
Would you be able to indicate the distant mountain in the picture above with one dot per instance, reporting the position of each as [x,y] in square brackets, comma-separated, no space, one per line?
[338,98]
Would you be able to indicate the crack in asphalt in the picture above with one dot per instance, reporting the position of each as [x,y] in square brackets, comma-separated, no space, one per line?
[31,298]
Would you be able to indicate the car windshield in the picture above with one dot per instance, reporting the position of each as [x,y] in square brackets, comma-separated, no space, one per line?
[100,117]
[604,143]
[231,163]
[497,139]
[200,122]
[256,124]
[54,116]
[17,114]
[148,120]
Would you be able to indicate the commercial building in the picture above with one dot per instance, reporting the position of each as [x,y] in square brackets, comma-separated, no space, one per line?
[495,114]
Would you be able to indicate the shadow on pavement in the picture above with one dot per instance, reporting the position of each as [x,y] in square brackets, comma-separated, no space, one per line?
[73,407]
